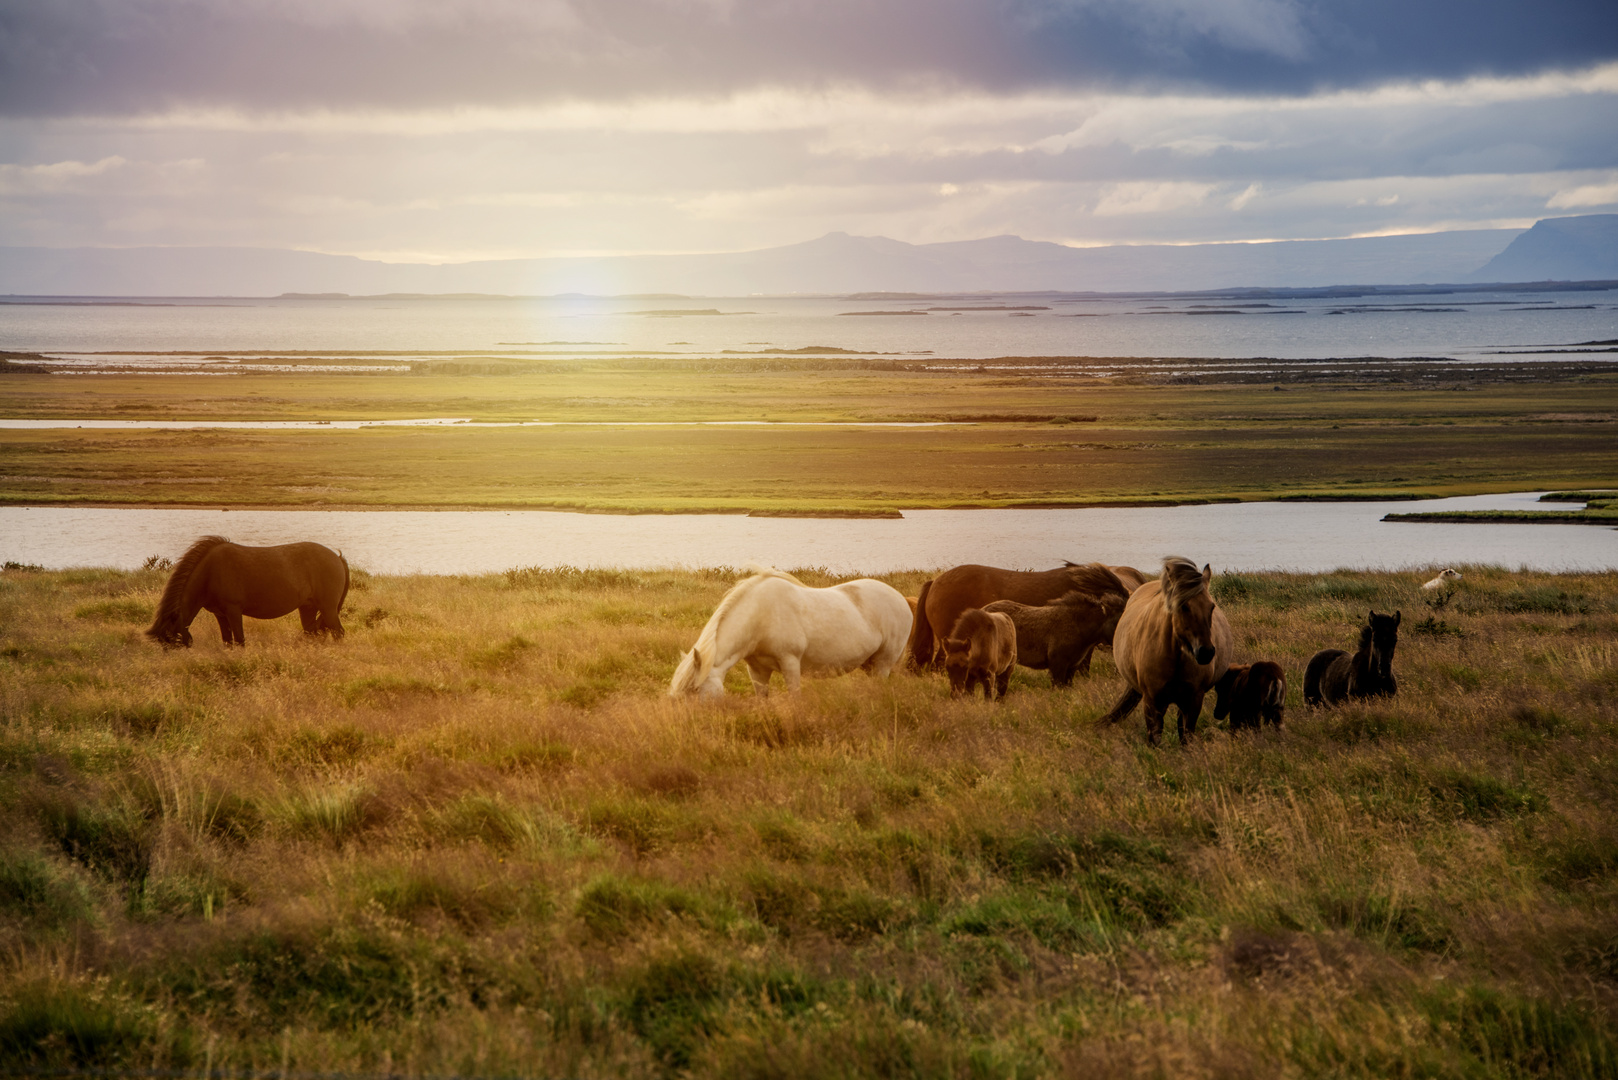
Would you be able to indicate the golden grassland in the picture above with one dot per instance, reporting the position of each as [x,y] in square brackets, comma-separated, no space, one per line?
[475,837]
[1025,440]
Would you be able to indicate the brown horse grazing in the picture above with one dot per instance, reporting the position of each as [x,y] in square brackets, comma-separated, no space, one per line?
[1333,675]
[232,580]
[1062,634]
[981,650]
[1172,644]
[944,598]
[1250,694]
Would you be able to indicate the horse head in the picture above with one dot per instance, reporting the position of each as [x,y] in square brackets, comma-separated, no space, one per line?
[1190,606]
[1384,633]
[167,632]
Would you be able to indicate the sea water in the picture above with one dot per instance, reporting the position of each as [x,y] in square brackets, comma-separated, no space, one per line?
[1467,326]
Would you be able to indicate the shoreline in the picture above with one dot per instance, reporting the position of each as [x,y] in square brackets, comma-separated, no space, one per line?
[875,513]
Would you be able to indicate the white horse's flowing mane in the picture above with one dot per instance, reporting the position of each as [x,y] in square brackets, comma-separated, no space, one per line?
[696,664]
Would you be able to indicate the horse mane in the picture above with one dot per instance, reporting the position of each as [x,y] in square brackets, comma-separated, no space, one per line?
[1181,579]
[695,665]
[169,606]
[1095,583]
[967,621]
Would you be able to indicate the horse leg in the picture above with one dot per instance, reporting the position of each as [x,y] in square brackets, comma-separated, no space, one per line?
[1154,722]
[1190,706]
[1125,705]
[307,614]
[328,621]
[792,672]
[761,678]
[235,615]
[1083,666]
[224,626]
[1001,682]
[1062,665]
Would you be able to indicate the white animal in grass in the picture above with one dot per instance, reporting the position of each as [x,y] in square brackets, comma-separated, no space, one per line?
[1445,577]
[775,622]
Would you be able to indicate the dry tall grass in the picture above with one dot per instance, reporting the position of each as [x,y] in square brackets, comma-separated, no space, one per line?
[476,838]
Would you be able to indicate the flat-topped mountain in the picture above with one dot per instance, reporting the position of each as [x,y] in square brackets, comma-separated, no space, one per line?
[1559,249]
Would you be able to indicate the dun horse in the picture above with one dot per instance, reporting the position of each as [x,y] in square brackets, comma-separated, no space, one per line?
[1173,644]
[774,622]
[232,580]
[1333,675]
[980,651]
[944,598]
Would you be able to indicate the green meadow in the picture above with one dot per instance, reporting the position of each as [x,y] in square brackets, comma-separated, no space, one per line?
[1017,437]
[475,837]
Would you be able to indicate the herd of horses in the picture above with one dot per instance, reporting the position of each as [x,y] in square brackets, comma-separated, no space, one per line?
[1170,640]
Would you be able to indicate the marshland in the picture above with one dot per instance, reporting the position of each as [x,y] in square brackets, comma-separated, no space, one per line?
[476,837]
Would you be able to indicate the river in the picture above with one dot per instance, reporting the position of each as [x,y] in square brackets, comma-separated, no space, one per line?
[1308,537]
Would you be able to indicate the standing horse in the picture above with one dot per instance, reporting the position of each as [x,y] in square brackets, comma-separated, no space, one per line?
[775,622]
[1333,675]
[981,651]
[946,596]
[1059,635]
[1173,644]
[231,580]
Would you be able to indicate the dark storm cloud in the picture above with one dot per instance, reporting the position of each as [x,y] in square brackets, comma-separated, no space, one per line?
[108,57]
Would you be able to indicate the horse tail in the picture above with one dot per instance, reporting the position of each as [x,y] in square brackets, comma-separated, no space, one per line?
[171,607]
[1123,707]
[922,645]
[341,600]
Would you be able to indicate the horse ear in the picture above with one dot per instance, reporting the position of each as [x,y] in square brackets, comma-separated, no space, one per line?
[1397,616]
[1207,573]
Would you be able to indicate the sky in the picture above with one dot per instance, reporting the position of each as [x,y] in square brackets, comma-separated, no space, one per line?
[451,130]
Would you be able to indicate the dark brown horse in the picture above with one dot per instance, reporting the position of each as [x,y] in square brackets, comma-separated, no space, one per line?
[1251,694]
[1333,675]
[1062,634]
[944,598]
[232,580]
[1172,645]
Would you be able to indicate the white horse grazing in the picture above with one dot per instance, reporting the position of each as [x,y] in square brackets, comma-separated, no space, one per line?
[1445,576]
[775,622]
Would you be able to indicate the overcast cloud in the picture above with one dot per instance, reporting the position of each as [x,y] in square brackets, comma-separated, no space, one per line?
[485,128]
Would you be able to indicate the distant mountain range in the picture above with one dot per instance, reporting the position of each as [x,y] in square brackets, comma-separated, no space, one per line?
[1568,249]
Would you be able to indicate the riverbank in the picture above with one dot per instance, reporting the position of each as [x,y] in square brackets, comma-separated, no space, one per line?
[475,838]
[1599,509]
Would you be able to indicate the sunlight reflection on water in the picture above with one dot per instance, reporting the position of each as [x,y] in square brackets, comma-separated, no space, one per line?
[1246,536]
